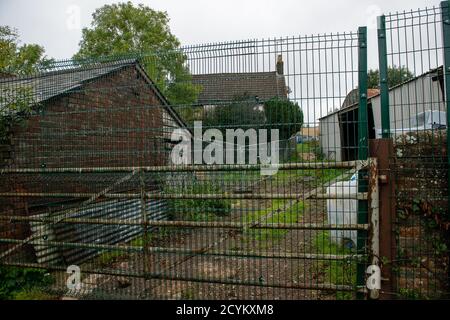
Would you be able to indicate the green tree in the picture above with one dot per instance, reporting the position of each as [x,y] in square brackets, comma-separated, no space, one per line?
[284,115]
[396,76]
[15,104]
[17,58]
[243,112]
[124,29]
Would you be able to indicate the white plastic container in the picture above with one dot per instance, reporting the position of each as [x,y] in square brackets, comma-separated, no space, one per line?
[343,211]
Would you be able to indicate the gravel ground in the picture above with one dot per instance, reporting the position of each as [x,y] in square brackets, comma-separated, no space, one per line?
[262,273]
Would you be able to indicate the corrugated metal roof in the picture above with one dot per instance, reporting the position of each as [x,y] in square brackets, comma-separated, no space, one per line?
[227,86]
[94,233]
[353,97]
[352,100]
[372,93]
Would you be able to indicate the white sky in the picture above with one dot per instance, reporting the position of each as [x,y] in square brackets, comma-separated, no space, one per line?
[54,24]
[57,25]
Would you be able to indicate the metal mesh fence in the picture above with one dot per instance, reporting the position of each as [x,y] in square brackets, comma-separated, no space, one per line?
[90,178]
[415,115]
[250,178]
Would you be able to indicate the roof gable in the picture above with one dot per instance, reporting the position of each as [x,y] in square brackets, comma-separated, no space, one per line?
[228,86]
[49,85]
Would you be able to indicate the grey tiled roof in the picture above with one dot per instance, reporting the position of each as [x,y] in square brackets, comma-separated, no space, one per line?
[44,86]
[227,86]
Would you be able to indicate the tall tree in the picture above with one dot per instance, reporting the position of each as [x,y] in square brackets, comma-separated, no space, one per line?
[125,29]
[396,76]
[245,112]
[17,58]
[284,115]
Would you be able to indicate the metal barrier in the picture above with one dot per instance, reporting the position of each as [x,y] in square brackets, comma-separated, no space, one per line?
[251,177]
[413,107]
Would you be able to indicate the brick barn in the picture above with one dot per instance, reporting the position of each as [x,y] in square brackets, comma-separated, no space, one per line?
[101,115]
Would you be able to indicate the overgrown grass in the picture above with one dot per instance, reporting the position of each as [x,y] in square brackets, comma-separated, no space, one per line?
[321,176]
[180,209]
[281,214]
[306,147]
[311,147]
[198,209]
[108,257]
[339,272]
[239,176]
[325,175]
[34,294]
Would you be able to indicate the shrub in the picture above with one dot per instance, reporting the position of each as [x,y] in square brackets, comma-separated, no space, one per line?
[284,115]
[17,281]
[199,209]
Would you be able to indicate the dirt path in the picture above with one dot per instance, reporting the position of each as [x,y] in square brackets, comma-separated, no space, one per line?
[262,273]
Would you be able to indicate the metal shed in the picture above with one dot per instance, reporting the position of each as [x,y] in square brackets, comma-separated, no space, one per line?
[338,129]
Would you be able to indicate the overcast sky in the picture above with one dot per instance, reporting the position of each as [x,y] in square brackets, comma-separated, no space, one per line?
[57,24]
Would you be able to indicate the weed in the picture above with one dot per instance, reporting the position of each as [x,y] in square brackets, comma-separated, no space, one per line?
[278,214]
[338,272]
[14,281]
[199,209]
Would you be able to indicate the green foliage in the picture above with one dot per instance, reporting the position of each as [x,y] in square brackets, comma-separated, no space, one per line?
[108,257]
[339,272]
[34,294]
[16,58]
[308,147]
[188,294]
[16,102]
[245,112]
[280,212]
[242,112]
[396,76]
[411,294]
[317,150]
[284,115]
[122,28]
[15,105]
[198,209]
[17,282]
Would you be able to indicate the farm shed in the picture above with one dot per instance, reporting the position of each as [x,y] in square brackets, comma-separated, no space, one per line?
[95,115]
[338,129]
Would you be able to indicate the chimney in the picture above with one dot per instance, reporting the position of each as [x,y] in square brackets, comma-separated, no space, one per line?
[280,65]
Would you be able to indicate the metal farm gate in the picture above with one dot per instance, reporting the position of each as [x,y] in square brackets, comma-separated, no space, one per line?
[119,183]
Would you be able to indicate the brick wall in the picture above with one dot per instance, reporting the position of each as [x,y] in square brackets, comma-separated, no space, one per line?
[115,120]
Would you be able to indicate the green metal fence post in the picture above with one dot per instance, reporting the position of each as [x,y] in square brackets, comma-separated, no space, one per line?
[363,134]
[445,9]
[363,131]
[384,89]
